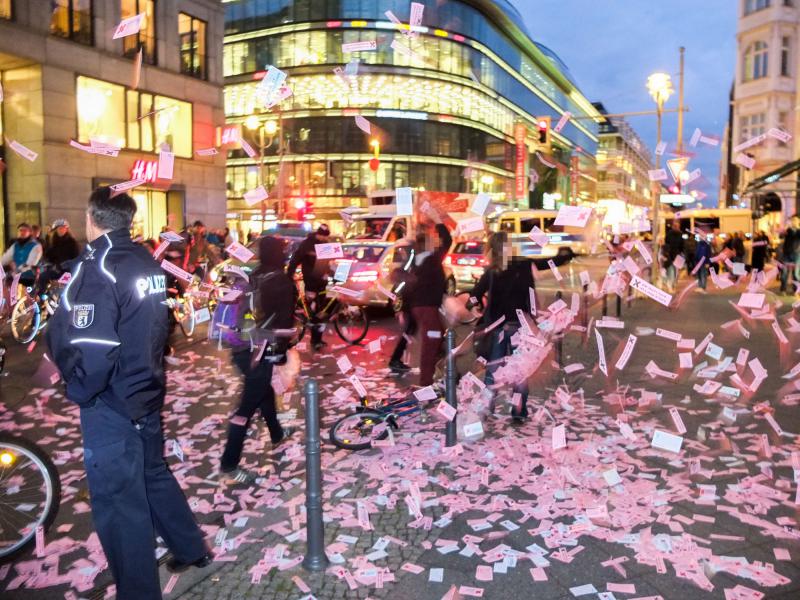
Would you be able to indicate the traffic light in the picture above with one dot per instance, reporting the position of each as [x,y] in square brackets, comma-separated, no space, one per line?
[543,126]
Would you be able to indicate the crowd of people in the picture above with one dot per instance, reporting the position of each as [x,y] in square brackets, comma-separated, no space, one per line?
[702,251]
[110,333]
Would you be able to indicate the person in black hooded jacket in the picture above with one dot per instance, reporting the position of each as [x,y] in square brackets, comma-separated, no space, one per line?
[277,297]
[506,286]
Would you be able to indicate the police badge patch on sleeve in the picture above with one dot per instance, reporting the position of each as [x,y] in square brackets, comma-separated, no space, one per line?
[82,315]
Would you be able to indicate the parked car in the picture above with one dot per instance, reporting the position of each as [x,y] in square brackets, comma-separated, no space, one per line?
[465,263]
[367,266]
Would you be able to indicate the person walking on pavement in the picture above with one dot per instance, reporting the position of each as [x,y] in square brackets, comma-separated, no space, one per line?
[673,247]
[791,255]
[737,245]
[23,255]
[507,286]
[276,296]
[401,280]
[702,253]
[428,288]
[107,339]
[315,278]
[760,253]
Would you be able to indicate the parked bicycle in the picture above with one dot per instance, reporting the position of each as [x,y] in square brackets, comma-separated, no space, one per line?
[349,320]
[31,492]
[359,430]
[192,304]
[32,309]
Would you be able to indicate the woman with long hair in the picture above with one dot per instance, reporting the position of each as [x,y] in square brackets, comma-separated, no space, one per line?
[507,285]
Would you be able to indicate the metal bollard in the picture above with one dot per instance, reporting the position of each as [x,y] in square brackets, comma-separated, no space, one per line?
[585,317]
[315,558]
[450,384]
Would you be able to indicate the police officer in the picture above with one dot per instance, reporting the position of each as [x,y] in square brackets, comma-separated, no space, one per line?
[107,338]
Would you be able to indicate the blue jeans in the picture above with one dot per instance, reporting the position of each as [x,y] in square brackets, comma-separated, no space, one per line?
[500,349]
[133,496]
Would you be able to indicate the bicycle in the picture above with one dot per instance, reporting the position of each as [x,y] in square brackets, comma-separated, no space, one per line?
[349,320]
[31,310]
[188,305]
[32,493]
[359,430]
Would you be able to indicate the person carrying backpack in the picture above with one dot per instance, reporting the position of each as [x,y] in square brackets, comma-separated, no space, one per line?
[266,305]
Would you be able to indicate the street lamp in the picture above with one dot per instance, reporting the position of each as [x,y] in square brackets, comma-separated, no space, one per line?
[660,87]
[268,128]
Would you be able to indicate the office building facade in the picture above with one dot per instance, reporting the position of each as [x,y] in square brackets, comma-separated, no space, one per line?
[453,103]
[65,79]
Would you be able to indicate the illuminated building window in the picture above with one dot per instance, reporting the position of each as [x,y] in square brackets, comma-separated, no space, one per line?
[381,92]
[5,9]
[292,49]
[192,32]
[145,39]
[101,111]
[173,125]
[131,119]
[72,19]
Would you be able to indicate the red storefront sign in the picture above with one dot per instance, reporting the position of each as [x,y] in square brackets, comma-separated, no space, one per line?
[230,135]
[145,169]
[520,134]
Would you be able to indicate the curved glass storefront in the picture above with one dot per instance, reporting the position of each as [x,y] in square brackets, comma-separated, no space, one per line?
[469,78]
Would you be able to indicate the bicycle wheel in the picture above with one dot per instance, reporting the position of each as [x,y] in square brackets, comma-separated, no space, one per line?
[351,323]
[300,325]
[475,313]
[184,315]
[32,493]
[25,319]
[357,431]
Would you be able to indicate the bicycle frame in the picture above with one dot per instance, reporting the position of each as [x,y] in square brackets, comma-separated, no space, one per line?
[396,408]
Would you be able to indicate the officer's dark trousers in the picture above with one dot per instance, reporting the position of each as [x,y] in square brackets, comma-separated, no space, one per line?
[257,394]
[133,493]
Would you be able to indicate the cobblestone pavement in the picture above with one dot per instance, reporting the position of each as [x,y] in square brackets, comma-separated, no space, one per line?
[711,521]
[720,514]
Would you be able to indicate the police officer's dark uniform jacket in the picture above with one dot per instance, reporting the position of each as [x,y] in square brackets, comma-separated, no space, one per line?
[117,293]
[107,339]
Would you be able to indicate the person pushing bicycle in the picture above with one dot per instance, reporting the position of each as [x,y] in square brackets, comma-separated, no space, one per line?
[315,278]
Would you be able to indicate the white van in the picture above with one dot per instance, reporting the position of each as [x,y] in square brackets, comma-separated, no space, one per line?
[564,241]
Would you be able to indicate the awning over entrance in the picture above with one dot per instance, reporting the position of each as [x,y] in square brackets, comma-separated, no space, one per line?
[773,176]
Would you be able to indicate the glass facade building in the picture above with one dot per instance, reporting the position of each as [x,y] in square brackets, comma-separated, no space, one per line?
[454,104]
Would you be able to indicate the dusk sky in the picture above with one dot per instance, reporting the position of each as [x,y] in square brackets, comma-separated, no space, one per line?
[611,46]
